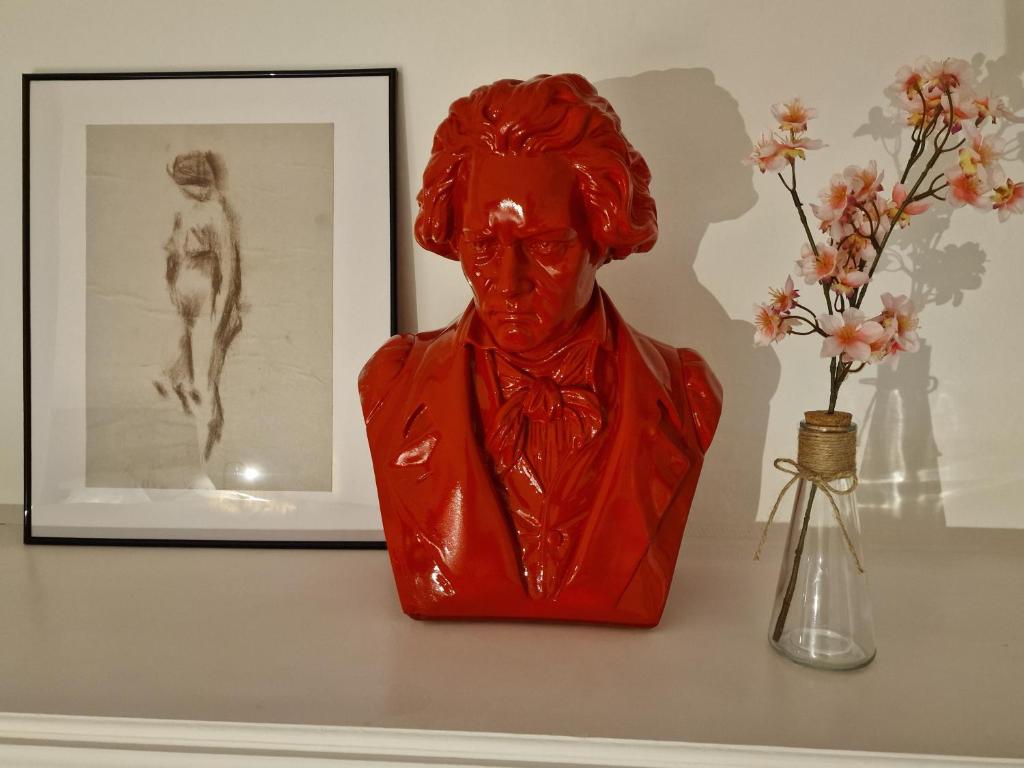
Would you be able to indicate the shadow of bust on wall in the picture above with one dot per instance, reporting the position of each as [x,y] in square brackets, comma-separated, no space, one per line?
[537,458]
[700,183]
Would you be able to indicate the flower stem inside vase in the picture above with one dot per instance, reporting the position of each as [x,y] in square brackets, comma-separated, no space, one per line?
[787,600]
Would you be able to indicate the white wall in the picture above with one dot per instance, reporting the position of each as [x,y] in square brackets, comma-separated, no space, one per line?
[691,81]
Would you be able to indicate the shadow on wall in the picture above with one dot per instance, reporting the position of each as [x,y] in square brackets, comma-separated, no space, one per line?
[901,487]
[900,483]
[658,293]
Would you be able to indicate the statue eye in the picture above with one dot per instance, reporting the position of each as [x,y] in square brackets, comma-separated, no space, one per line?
[484,248]
[545,247]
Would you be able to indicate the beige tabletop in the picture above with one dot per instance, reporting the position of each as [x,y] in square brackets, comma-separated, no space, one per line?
[295,636]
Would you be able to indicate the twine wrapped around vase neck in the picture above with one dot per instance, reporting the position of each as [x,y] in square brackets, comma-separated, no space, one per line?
[826,452]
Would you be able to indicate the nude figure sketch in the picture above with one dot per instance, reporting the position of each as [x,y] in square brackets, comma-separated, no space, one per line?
[204,281]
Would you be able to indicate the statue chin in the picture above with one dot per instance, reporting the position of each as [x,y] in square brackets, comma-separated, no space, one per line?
[522,472]
[514,335]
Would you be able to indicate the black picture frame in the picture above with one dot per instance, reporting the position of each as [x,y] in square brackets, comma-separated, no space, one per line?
[31,537]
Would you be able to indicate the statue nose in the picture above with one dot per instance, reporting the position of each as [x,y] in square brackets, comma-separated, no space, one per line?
[512,275]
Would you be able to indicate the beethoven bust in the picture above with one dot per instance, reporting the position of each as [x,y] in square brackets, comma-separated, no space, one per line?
[537,458]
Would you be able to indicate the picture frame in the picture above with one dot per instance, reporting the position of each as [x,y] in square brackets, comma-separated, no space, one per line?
[209,258]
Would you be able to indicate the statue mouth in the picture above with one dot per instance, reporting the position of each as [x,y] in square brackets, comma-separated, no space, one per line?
[519,318]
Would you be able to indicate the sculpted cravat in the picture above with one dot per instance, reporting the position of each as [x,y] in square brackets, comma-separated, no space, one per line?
[542,421]
[549,411]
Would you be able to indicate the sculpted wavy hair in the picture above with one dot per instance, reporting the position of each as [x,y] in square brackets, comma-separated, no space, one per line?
[549,113]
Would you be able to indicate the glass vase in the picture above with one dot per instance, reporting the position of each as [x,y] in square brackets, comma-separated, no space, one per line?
[822,612]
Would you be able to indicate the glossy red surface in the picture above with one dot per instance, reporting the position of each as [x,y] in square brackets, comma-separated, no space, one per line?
[537,458]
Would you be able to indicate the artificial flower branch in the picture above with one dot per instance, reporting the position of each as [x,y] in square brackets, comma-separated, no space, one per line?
[799,204]
[938,99]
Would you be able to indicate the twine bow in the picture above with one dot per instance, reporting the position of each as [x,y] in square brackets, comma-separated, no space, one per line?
[823,459]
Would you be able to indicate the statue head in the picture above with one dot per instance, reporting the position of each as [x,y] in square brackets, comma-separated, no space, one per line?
[532,187]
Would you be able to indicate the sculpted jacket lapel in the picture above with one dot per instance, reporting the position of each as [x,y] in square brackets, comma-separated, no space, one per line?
[647,434]
[443,486]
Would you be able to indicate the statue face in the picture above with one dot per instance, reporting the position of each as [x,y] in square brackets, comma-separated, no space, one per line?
[525,249]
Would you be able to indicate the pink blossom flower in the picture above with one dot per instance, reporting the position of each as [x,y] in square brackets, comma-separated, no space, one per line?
[835,197]
[926,90]
[793,115]
[899,195]
[899,319]
[836,225]
[849,335]
[987,108]
[947,75]
[914,93]
[832,212]
[769,325]
[983,109]
[817,268]
[881,347]
[965,189]
[863,183]
[1008,197]
[929,87]
[981,153]
[842,231]
[917,109]
[784,299]
[794,147]
[864,218]
[847,282]
[767,155]
[910,79]
[961,106]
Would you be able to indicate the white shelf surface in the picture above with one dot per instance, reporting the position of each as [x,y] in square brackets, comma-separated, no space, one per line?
[316,637]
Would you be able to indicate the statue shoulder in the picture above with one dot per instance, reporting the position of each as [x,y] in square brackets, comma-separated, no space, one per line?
[703,394]
[382,371]
[398,362]
[693,384]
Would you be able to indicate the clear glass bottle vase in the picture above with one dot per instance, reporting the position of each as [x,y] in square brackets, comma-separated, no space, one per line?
[822,612]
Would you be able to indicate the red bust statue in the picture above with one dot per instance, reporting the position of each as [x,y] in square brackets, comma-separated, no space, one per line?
[537,458]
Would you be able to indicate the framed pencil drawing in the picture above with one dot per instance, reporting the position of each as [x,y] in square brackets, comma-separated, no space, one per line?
[209,257]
